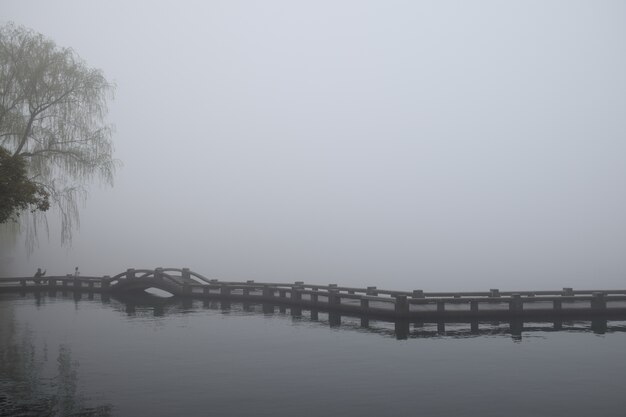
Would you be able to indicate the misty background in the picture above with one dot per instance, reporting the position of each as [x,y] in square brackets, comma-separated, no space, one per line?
[443,145]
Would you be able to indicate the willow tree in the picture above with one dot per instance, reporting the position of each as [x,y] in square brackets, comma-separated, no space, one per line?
[52,115]
[17,191]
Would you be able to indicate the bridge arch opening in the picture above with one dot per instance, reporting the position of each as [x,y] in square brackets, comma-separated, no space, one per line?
[157,292]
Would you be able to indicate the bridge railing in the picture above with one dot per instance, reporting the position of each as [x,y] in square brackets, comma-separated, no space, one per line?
[63,281]
[132,277]
[420,294]
[368,298]
[401,301]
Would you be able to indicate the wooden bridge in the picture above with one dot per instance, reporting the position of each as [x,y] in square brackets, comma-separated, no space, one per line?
[369,301]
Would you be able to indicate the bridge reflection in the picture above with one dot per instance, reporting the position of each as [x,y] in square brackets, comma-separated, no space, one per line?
[137,304]
[145,305]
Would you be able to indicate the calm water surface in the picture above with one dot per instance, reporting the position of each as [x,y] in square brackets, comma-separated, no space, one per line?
[149,357]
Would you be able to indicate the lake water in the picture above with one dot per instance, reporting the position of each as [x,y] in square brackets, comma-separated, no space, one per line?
[151,357]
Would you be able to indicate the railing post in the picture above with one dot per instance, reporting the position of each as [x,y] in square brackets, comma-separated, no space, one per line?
[333,297]
[441,327]
[52,283]
[225,290]
[568,291]
[282,293]
[186,274]
[441,306]
[186,289]
[402,305]
[598,302]
[206,290]
[371,291]
[246,290]
[517,327]
[296,295]
[334,319]
[158,274]
[130,273]
[268,292]
[474,306]
[557,305]
[23,282]
[314,297]
[494,292]
[516,303]
[599,325]
[365,303]
[474,326]
[402,329]
[105,282]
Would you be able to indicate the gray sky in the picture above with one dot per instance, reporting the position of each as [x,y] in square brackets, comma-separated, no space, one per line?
[405,144]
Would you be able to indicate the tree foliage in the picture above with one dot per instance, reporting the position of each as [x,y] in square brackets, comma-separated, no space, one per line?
[17,191]
[52,117]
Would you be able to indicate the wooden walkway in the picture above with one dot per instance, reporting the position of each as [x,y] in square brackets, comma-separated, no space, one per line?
[370,301]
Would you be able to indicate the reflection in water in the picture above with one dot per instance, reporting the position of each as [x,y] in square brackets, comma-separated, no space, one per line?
[142,304]
[164,357]
[26,388]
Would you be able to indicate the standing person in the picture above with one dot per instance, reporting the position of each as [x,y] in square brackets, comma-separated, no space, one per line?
[76,273]
[39,274]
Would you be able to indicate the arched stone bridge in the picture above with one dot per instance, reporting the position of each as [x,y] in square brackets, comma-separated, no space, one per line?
[173,280]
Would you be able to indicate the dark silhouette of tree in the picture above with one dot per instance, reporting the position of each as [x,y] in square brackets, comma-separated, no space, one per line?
[52,117]
[17,191]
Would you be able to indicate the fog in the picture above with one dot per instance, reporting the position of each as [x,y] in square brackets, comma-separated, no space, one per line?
[443,145]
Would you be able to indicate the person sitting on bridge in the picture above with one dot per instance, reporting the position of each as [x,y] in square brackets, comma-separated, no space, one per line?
[39,274]
[76,273]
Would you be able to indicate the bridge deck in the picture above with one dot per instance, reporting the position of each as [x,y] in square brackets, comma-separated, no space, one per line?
[370,300]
